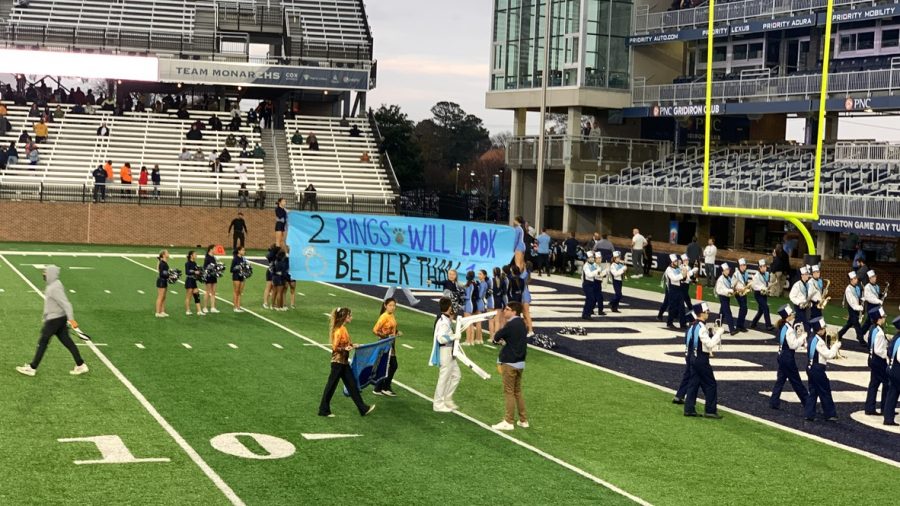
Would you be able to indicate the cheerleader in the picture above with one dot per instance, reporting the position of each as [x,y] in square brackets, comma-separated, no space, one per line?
[525,277]
[340,364]
[162,283]
[192,274]
[385,327]
[515,284]
[278,282]
[290,283]
[238,268]
[495,301]
[788,342]
[470,294]
[519,255]
[280,222]
[269,292]
[212,277]
[481,302]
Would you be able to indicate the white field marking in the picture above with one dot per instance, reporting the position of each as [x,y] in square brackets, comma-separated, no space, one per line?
[407,346]
[838,396]
[81,268]
[106,291]
[327,314]
[198,460]
[232,346]
[855,378]
[74,254]
[301,294]
[36,266]
[491,346]
[670,391]
[527,446]
[2,290]
[139,346]
[186,345]
[318,437]
[333,295]
[141,292]
[280,347]
[86,344]
[874,421]
[173,292]
[71,291]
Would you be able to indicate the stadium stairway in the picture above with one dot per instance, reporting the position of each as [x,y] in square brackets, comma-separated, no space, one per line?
[274,186]
[283,162]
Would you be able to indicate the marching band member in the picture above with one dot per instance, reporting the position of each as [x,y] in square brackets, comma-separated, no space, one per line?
[162,283]
[893,377]
[442,355]
[674,276]
[816,288]
[238,277]
[192,273]
[853,298]
[741,283]
[724,290]
[386,327]
[340,364]
[760,286]
[693,328]
[789,341]
[617,272]
[872,298]
[602,272]
[211,279]
[819,386]
[589,271]
[799,296]
[877,361]
[686,284]
[664,306]
[699,345]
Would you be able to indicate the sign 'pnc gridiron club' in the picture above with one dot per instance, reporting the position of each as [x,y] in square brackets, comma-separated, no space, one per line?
[393,250]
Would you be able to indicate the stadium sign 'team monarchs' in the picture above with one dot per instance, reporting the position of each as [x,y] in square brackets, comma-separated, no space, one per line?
[391,250]
[250,74]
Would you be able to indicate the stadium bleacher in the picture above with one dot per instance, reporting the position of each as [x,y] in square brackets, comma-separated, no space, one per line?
[332,29]
[174,16]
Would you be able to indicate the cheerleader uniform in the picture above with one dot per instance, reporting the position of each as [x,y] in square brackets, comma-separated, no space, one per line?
[470,295]
[520,239]
[504,293]
[270,257]
[491,295]
[209,266]
[236,268]
[526,293]
[280,219]
[190,269]
[278,273]
[482,301]
[515,289]
[163,280]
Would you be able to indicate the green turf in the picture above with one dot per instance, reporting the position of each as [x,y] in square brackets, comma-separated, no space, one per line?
[623,432]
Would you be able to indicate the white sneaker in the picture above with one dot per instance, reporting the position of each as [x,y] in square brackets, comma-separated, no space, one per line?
[522,424]
[265,306]
[377,392]
[440,408]
[79,369]
[204,310]
[451,404]
[201,313]
[214,310]
[163,315]
[158,315]
[503,425]
[530,334]
[188,313]
[388,393]
[238,310]
[26,370]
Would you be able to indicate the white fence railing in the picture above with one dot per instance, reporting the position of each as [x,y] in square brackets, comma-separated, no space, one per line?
[604,150]
[769,89]
[645,21]
[866,151]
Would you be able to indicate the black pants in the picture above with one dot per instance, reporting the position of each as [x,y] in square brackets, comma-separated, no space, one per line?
[701,378]
[341,372]
[570,261]
[99,192]
[55,327]
[385,384]
[852,323]
[877,378]
[788,371]
[235,239]
[762,301]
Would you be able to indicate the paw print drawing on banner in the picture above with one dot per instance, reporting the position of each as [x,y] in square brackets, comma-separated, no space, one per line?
[315,264]
[399,235]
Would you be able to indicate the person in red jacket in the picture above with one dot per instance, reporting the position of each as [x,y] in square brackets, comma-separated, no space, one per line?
[143,178]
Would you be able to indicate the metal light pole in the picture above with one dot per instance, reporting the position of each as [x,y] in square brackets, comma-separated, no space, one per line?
[457,179]
[545,77]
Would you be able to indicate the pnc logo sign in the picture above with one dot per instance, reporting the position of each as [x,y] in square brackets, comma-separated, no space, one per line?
[857,104]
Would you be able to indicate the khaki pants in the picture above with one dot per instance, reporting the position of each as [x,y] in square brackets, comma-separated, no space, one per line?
[777,285]
[512,392]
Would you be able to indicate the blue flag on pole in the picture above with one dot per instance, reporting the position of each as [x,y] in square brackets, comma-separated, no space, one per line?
[370,363]
[392,250]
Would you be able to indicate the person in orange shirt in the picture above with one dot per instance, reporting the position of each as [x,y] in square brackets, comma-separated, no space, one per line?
[385,327]
[340,364]
[110,175]
[125,177]
[40,132]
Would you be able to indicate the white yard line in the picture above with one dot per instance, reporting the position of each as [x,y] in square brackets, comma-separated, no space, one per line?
[280,347]
[139,346]
[186,345]
[198,460]
[481,424]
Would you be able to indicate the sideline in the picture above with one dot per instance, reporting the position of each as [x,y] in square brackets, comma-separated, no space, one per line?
[198,460]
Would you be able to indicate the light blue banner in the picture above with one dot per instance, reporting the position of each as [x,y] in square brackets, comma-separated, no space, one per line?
[391,250]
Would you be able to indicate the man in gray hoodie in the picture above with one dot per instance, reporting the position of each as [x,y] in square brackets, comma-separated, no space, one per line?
[57,312]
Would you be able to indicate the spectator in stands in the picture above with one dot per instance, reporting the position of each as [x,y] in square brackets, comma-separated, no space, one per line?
[230,141]
[235,123]
[77,97]
[24,138]
[21,3]
[364,158]
[199,124]
[243,196]
[108,167]
[3,157]
[125,177]
[99,193]
[243,142]
[90,109]
[297,138]
[59,113]
[354,131]
[243,179]
[183,113]
[309,197]
[103,130]
[344,122]
[34,156]
[5,125]
[78,109]
[12,155]
[252,118]
[781,266]
[215,123]
[143,179]
[155,179]
[259,152]
[260,199]
[41,132]
[213,156]
[225,156]
[215,165]
[29,147]
[34,112]
[3,110]
[312,142]
[108,104]
[199,156]
[185,155]
[194,134]
[240,168]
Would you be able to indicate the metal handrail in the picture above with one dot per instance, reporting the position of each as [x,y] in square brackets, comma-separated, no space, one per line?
[385,157]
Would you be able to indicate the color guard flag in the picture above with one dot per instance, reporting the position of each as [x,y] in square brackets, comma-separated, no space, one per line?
[370,363]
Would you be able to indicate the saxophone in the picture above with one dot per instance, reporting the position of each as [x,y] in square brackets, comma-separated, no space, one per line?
[824,300]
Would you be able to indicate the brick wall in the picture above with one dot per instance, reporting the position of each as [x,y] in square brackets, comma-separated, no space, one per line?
[131,224]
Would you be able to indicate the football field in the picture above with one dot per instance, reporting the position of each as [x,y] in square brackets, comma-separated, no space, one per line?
[222,409]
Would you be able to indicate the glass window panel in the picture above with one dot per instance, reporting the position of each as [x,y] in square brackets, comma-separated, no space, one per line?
[865,40]
[890,38]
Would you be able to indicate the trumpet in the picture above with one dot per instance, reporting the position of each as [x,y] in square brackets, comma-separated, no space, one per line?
[717,329]
[824,300]
[830,339]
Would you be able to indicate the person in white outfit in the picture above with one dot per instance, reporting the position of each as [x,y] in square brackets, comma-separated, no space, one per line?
[709,261]
[442,355]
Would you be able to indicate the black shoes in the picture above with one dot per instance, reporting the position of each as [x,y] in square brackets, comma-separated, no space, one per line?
[770,328]
[894,424]
[691,414]
[831,419]
[676,400]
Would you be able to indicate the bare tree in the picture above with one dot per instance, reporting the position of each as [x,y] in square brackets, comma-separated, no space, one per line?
[482,173]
